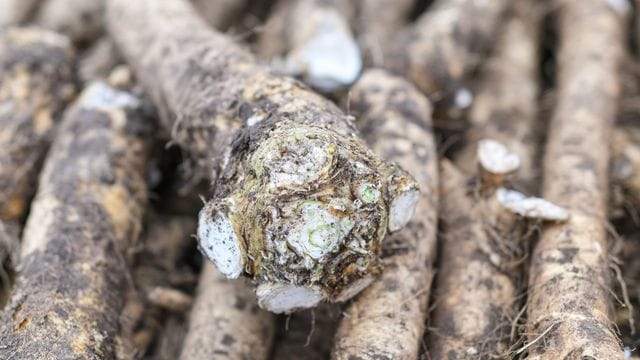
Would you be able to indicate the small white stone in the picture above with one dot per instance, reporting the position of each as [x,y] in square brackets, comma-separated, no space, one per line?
[331,58]
[287,298]
[219,242]
[530,207]
[496,158]
[402,208]
[463,98]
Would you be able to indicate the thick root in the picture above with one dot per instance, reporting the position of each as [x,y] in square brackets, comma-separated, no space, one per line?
[70,285]
[226,322]
[81,20]
[36,82]
[569,310]
[300,201]
[387,320]
[444,44]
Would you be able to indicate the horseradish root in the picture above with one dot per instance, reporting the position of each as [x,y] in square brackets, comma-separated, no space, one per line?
[225,321]
[300,203]
[387,320]
[70,285]
[444,44]
[569,310]
[36,82]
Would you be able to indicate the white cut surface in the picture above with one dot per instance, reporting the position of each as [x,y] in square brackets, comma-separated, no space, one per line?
[330,58]
[622,7]
[402,208]
[463,98]
[496,158]
[219,242]
[530,207]
[287,298]
[354,289]
[100,96]
[317,230]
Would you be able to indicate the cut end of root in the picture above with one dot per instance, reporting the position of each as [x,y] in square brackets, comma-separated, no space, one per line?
[531,207]
[463,98]
[319,231]
[286,298]
[496,158]
[219,242]
[354,289]
[331,59]
[402,208]
[100,96]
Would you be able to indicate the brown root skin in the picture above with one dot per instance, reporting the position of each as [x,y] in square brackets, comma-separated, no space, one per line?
[625,160]
[81,20]
[220,14]
[444,44]
[475,291]
[36,82]
[98,61]
[226,322]
[387,320]
[15,12]
[569,299]
[377,22]
[504,108]
[69,290]
[286,162]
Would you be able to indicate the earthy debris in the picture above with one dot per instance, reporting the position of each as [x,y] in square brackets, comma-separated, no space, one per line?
[87,212]
[569,312]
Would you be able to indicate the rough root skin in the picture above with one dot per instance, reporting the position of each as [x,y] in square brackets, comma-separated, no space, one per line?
[81,20]
[569,298]
[444,44]
[270,144]
[226,321]
[36,82]
[386,321]
[70,284]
